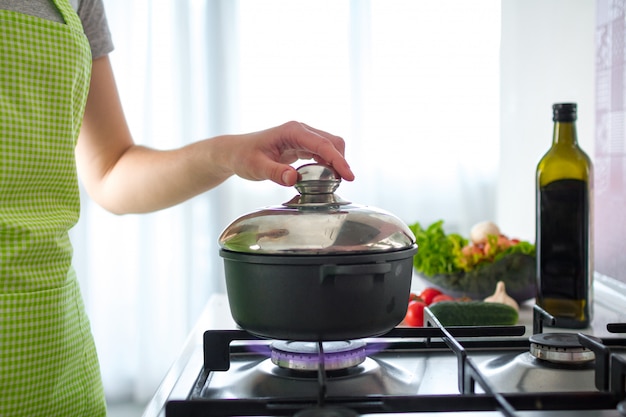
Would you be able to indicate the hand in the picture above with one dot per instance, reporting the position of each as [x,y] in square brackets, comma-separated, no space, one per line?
[127,178]
[268,153]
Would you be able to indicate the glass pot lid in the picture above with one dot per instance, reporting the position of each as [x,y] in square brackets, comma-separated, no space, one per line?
[317,221]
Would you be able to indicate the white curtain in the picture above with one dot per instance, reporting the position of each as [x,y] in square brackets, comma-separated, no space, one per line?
[412,86]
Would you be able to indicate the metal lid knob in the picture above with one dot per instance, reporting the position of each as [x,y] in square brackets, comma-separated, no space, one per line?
[316,184]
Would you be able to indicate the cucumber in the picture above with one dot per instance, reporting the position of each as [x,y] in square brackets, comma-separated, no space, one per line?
[474,313]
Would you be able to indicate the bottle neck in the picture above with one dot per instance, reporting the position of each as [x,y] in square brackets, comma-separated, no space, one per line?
[564,134]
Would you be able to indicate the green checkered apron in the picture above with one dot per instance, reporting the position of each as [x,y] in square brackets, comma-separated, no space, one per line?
[48,363]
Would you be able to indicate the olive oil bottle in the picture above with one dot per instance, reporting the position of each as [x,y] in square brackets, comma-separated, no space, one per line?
[564,197]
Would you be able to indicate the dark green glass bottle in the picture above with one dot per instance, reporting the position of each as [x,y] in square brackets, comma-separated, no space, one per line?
[564,197]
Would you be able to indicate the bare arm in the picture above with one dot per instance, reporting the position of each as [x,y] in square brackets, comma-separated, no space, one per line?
[127,178]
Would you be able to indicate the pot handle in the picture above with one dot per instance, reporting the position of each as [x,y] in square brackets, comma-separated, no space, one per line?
[367,269]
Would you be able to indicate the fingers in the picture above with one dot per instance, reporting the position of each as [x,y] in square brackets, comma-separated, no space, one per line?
[269,153]
[322,146]
[336,140]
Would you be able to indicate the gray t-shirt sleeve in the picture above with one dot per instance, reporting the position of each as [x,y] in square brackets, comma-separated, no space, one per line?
[93,17]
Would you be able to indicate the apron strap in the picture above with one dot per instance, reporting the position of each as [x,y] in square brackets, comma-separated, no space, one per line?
[69,14]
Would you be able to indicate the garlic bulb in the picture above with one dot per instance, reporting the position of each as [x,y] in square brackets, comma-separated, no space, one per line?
[480,231]
[500,296]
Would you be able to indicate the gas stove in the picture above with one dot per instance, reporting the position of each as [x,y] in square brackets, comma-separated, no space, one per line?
[532,369]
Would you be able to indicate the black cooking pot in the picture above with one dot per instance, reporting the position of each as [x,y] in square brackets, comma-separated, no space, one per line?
[318,268]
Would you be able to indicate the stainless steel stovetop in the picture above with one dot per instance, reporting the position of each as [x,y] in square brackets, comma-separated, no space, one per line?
[431,371]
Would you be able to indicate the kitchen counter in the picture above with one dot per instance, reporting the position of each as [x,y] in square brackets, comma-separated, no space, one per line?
[610,295]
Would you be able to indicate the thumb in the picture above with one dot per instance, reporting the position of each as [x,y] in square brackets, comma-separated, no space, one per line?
[288,177]
[282,174]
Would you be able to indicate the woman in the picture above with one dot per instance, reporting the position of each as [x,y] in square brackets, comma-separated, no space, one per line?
[59,110]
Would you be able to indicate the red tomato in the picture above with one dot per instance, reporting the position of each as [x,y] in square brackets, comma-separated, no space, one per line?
[413,297]
[415,314]
[442,297]
[428,294]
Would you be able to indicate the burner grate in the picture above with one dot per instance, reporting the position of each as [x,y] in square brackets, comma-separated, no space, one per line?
[610,377]
[393,404]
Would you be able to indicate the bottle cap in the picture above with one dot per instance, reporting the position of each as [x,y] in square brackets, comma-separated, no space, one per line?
[564,112]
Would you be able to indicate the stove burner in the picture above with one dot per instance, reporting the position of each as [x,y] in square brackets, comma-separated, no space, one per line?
[559,348]
[304,356]
[326,412]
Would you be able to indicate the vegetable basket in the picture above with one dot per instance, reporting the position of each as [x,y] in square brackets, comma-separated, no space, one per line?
[516,270]
[472,268]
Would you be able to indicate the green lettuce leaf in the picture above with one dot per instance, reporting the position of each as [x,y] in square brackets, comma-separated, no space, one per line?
[437,250]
